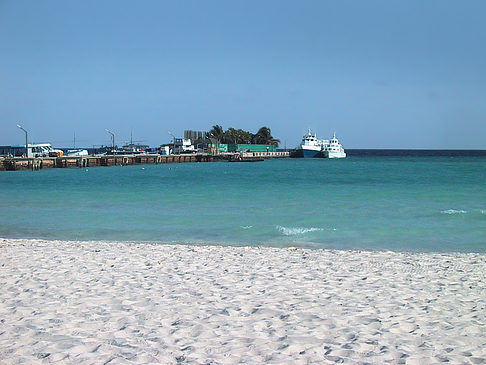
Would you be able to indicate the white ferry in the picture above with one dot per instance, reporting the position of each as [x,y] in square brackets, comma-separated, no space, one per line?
[334,149]
[311,146]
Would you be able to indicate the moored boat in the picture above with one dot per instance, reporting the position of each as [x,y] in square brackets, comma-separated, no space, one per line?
[76,152]
[334,149]
[310,146]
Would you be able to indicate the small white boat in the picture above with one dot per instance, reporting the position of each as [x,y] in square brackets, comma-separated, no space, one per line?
[76,152]
[334,149]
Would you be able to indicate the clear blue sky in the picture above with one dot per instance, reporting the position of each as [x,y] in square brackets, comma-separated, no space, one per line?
[382,74]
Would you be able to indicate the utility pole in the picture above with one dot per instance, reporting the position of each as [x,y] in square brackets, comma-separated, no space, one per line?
[26,141]
[113,145]
[173,151]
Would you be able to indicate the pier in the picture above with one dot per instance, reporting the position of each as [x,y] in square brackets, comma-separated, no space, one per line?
[38,163]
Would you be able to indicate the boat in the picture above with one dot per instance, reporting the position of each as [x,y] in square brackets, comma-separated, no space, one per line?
[133,149]
[242,157]
[334,149]
[126,150]
[310,146]
[248,159]
[76,152]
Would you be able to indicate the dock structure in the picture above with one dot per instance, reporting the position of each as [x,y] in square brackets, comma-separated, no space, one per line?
[38,163]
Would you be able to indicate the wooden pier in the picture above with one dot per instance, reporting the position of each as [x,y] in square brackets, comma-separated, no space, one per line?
[22,163]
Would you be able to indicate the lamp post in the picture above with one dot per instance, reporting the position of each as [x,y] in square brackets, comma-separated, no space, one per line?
[173,150]
[26,141]
[112,145]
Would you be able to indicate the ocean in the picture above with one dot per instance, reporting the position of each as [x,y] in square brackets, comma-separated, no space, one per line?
[432,202]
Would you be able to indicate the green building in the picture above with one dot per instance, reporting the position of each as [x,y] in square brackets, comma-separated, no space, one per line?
[223,147]
[251,147]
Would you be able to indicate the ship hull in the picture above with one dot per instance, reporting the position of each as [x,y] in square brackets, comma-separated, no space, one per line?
[333,154]
[307,153]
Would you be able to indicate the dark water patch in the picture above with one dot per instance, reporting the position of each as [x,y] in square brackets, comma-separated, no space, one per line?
[414,153]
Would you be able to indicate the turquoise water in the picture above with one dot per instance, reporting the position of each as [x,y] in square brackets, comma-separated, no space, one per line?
[396,203]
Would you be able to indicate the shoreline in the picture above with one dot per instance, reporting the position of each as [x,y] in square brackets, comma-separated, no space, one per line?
[129,302]
[300,245]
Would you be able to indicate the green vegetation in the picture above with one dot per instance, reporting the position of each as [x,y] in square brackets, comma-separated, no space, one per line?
[239,136]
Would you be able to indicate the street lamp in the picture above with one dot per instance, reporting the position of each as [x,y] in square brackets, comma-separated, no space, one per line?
[26,141]
[173,151]
[112,141]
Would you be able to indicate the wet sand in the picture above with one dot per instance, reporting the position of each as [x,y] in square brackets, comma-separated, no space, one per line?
[97,302]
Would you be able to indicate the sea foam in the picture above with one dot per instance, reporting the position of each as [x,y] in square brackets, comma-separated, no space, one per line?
[296,230]
[454,211]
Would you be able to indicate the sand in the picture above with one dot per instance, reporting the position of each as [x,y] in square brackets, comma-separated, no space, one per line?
[97,302]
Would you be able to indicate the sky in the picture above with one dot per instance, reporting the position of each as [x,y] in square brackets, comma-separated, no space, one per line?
[381,74]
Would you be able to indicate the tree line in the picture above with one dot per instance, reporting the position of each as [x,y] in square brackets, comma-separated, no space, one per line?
[239,136]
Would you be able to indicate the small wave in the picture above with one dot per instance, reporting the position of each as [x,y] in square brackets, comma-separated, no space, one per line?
[483,211]
[453,211]
[296,230]
[246,227]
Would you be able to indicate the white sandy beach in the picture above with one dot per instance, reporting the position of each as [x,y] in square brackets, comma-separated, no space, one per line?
[96,302]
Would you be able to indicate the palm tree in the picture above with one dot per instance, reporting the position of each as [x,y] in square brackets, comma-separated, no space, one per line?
[264,136]
[217,133]
[237,136]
